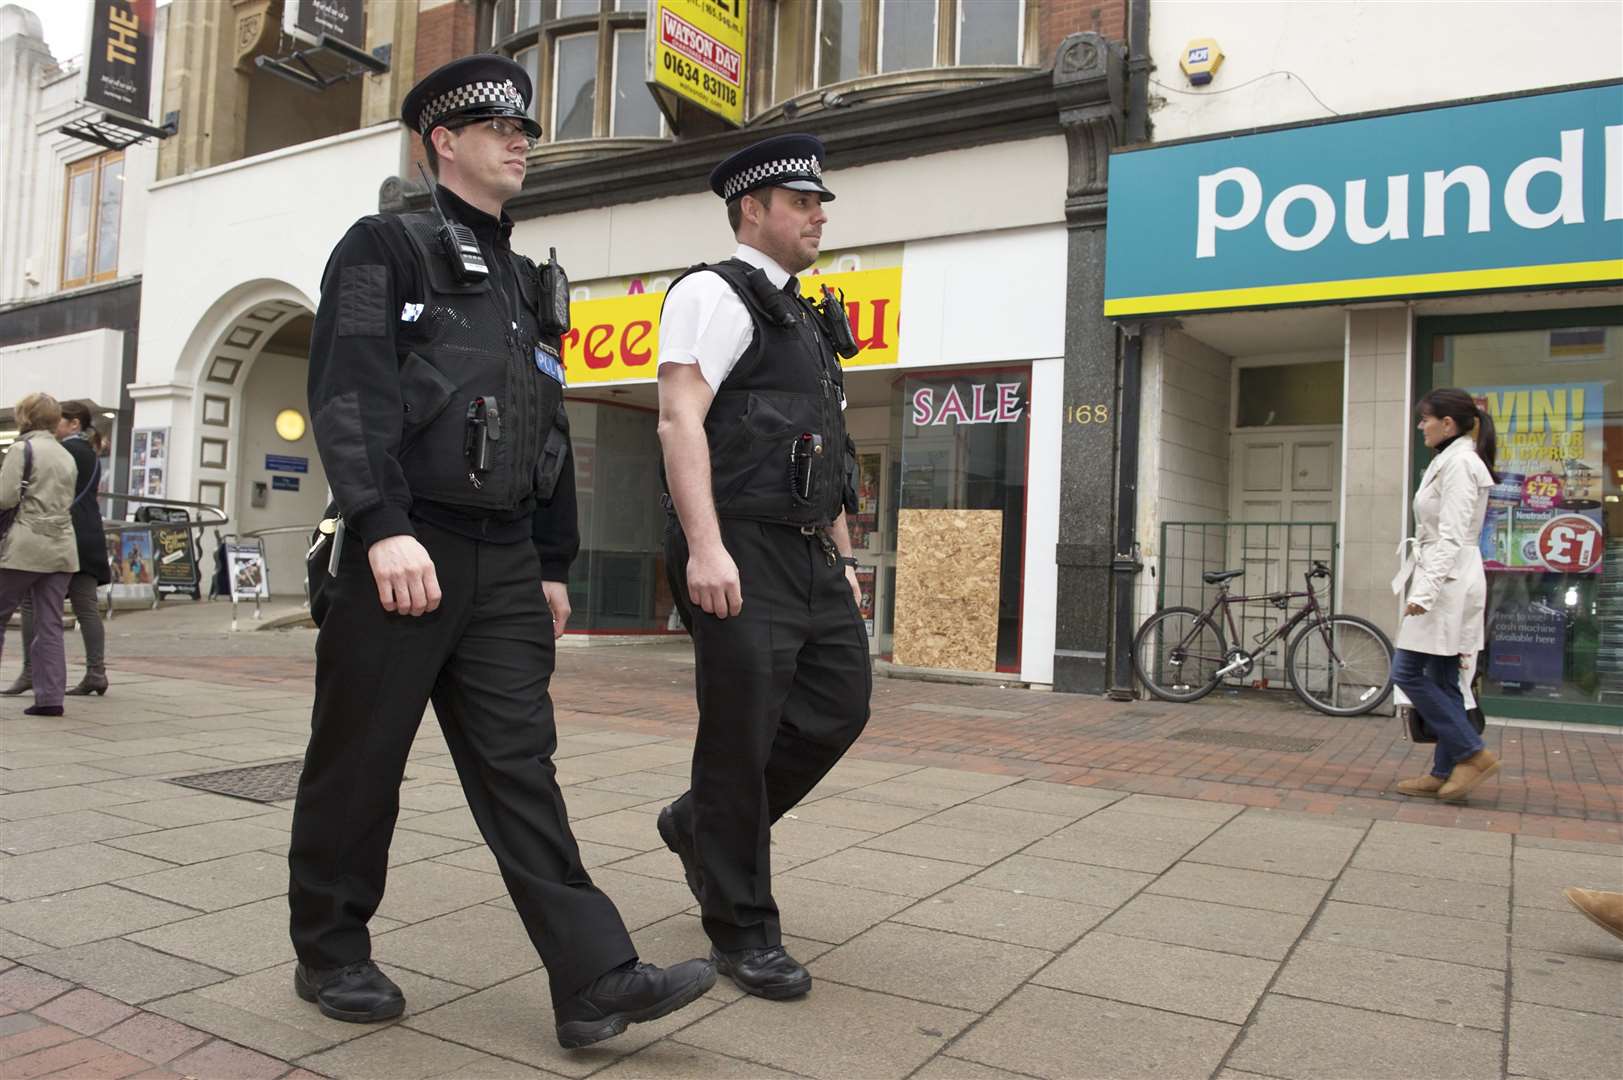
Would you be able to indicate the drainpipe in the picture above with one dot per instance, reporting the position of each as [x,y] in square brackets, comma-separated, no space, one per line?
[1125,566]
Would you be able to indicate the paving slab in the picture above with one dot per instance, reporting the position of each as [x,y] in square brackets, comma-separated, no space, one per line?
[16,947]
[188,810]
[1435,937]
[1004,915]
[671,1060]
[1310,1040]
[1274,845]
[622,828]
[74,867]
[872,817]
[1432,896]
[439,947]
[1562,1044]
[154,1038]
[486,1067]
[943,1067]
[1241,888]
[795,842]
[1095,886]
[398,1053]
[423,890]
[1189,809]
[1420,859]
[839,1032]
[1580,983]
[886,871]
[643,900]
[238,940]
[456,823]
[909,791]
[1267,935]
[48,776]
[1000,820]
[1054,1033]
[1386,982]
[176,763]
[1541,875]
[218,884]
[58,800]
[129,972]
[930,965]
[1176,978]
[1104,848]
[949,844]
[90,914]
[1065,800]
[65,830]
[646,785]
[201,843]
[1569,932]
[832,913]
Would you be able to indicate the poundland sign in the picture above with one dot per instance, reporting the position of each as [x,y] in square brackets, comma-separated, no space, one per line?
[1517,193]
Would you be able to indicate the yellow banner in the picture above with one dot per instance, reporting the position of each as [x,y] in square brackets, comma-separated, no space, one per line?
[697,53]
[617,339]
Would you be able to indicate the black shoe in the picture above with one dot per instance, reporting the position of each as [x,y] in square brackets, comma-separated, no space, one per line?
[43,710]
[770,972]
[629,994]
[94,682]
[358,993]
[672,836]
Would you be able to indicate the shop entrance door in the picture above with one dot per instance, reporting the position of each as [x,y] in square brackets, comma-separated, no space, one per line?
[1279,477]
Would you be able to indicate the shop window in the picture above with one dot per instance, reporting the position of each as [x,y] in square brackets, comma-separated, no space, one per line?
[1282,395]
[866,37]
[963,439]
[91,215]
[586,59]
[1552,542]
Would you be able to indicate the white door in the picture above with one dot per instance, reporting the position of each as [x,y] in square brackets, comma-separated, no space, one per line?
[1279,479]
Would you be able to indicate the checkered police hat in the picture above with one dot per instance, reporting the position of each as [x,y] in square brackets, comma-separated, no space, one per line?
[470,88]
[787,161]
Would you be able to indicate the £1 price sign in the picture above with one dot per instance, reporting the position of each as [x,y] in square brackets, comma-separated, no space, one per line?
[1570,544]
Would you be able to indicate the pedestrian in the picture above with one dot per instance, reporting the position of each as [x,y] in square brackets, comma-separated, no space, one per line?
[437,401]
[1445,590]
[38,554]
[78,435]
[759,480]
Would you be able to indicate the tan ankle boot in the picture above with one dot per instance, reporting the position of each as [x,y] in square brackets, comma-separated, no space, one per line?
[1468,774]
[1604,909]
[1427,785]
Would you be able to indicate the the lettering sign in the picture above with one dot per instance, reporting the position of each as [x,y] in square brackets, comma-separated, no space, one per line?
[1524,191]
[118,64]
[973,403]
[286,463]
[696,53]
[307,20]
[616,339]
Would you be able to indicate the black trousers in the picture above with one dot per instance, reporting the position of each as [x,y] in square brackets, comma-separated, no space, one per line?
[783,689]
[485,657]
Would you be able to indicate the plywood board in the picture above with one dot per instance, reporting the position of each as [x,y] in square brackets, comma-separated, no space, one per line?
[948,569]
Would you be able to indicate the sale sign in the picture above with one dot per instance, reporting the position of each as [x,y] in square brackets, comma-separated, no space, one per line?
[1570,544]
[696,52]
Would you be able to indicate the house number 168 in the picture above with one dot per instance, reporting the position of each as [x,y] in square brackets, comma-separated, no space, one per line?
[1087,414]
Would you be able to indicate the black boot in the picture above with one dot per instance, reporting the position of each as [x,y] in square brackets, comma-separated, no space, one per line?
[43,710]
[23,683]
[629,994]
[94,682]
[770,972]
[668,832]
[358,993]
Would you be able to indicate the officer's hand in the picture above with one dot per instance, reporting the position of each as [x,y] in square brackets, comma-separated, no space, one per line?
[407,584]
[713,582]
[856,590]
[557,594]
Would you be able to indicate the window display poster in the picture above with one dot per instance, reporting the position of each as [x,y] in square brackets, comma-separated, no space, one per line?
[1528,646]
[865,522]
[131,553]
[149,454]
[1544,514]
[867,577]
[246,567]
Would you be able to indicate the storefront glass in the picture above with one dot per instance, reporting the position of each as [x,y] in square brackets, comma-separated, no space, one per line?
[1553,540]
[963,439]
[617,584]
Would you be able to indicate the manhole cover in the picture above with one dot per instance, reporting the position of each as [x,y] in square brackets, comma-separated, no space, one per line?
[261,783]
[1247,740]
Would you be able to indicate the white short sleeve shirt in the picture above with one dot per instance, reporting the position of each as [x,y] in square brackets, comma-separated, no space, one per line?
[705,323]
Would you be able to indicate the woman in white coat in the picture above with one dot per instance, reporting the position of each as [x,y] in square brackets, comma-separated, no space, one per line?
[1446,591]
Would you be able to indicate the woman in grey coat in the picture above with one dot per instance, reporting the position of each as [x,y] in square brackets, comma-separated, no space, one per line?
[39,555]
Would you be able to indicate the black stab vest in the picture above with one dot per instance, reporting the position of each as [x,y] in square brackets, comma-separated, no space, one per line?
[462,348]
[787,383]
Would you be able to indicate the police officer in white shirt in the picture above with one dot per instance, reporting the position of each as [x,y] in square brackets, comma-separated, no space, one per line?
[759,474]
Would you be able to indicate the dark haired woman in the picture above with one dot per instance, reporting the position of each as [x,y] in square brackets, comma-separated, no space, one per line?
[1446,591]
[77,433]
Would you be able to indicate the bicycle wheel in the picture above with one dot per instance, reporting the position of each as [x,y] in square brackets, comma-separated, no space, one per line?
[1177,653]
[1342,666]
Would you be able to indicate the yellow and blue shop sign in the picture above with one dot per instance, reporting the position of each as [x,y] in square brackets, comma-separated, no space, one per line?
[1514,193]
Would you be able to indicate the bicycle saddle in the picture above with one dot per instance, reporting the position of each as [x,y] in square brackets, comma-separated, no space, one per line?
[1214,577]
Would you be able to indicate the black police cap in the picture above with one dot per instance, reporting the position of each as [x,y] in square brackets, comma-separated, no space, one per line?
[787,161]
[470,88]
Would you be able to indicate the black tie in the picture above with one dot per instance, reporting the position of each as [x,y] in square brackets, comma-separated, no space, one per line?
[792,286]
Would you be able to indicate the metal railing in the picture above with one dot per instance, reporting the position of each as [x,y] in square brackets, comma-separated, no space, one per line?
[197,522]
[1274,556]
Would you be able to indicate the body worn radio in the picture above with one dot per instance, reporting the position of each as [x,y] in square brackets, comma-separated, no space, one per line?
[461,246]
[554,288]
[832,309]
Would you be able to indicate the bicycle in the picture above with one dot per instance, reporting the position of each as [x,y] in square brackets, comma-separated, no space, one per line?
[1338,664]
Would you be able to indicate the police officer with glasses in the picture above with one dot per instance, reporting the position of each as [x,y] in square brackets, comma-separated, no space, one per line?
[436,390]
[759,476]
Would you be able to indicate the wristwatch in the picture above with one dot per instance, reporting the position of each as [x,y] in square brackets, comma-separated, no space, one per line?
[848,560]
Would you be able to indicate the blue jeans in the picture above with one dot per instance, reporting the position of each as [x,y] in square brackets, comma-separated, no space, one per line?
[1432,684]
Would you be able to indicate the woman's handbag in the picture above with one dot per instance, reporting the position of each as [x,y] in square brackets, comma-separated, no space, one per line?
[1420,731]
[9,516]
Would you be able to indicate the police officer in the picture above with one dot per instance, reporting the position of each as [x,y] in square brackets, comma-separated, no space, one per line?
[759,475]
[437,397]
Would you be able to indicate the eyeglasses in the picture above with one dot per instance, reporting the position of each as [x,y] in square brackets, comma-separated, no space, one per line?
[505,129]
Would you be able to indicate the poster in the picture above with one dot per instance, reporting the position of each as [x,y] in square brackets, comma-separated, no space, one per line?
[131,554]
[149,452]
[865,522]
[1544,514]
[118,63]
[1528,646]
[696,53]
[175,561]
[245,566]
[866,578]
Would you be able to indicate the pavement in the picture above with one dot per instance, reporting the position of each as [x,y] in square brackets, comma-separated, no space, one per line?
[994,883]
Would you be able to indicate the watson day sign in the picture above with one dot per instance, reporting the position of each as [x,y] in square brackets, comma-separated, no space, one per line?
[1504,194]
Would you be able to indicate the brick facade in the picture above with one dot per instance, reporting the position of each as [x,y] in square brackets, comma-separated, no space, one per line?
[444,33]
[1059,18]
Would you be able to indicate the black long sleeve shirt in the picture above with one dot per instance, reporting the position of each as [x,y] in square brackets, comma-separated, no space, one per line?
[375,497]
